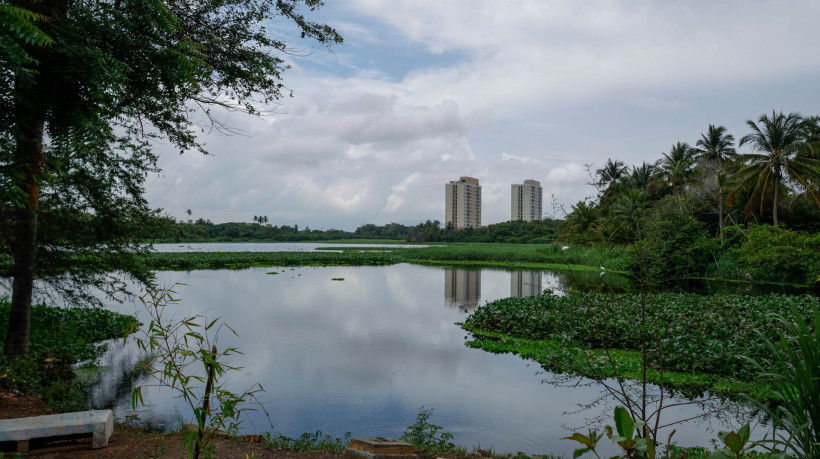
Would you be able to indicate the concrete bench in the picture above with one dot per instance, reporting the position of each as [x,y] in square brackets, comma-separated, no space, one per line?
[98,423]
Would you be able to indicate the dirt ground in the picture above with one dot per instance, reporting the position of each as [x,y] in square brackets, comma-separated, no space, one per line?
[131,442]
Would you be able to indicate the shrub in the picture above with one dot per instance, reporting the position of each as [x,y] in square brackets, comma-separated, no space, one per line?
[674,245]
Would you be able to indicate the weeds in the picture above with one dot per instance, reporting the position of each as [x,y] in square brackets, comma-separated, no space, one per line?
[428,437]
[307,442]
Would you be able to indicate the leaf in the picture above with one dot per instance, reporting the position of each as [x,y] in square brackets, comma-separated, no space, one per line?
[623,422]
[650,444]
[734,442]
[744,433]
[580,438]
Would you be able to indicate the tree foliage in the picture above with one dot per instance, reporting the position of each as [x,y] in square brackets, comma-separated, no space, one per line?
[92,85]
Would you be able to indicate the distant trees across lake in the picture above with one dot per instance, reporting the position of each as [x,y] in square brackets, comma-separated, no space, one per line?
[203,230]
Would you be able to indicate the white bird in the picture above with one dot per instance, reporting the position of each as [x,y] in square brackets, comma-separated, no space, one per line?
[565,247]
[603,269]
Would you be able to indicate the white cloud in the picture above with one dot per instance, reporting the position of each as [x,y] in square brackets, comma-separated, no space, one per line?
[427,91]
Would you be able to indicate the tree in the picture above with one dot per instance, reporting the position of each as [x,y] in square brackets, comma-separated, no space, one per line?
[785,152]
[91,84]
[715,145]
[641,177]
[610,174]
[678,168]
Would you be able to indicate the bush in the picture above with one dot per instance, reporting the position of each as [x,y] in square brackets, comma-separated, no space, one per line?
[674,245]
[777,254]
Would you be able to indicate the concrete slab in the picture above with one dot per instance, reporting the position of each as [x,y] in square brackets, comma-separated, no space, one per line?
[379,448]
[98,423]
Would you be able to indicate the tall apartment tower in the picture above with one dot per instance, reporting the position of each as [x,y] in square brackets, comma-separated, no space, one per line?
[526,201]
[462,203]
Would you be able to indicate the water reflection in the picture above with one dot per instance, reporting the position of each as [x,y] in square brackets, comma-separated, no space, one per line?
[525,283]
[462,287]
[365,353]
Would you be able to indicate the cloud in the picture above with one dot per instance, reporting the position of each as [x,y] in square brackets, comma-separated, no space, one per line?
[426,91]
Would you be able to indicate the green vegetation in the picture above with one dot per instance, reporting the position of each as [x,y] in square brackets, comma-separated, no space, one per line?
[697,340]
[796,382]
[307,442]
[175,349]
[185,261]
[506,255]
[517,232]
[88,88]
[60,338]
[428,438]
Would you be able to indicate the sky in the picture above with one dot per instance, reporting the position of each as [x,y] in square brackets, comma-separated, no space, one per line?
[423,92]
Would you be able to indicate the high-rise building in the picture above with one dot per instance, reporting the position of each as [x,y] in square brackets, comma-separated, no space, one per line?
[462,203]
[526,201]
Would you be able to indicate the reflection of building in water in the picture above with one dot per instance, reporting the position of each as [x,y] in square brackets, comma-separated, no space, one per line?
[462,288]
[525,283]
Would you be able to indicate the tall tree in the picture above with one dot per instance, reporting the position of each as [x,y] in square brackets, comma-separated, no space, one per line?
[716,145]
[785,152]
[714,148]
[678,168]
[609,177]
[90,86]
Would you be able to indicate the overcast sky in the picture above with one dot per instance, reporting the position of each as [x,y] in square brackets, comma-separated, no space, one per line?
[425,91]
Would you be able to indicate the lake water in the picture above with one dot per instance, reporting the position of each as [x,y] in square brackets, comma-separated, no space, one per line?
[364,354]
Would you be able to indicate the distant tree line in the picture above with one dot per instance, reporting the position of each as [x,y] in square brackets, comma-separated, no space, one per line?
[203,230]
[513,232]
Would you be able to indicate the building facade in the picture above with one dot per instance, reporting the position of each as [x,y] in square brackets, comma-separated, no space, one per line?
[462,203]
[526,201]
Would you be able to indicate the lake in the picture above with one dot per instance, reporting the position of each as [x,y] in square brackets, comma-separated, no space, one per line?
[365,353]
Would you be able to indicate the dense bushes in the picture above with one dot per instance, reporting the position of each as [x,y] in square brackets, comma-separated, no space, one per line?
[674,245]
[774,253]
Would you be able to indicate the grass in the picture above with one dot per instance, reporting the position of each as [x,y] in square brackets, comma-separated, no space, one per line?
[700,341]
[535,256]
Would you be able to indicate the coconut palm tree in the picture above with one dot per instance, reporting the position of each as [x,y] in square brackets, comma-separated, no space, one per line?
[784,152]
[714,148]
[678,168]
[641,177]
[715,145]
[611,173]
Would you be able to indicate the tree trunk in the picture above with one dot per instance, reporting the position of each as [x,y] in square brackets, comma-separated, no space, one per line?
[28,156]
[776,196]
[720,215]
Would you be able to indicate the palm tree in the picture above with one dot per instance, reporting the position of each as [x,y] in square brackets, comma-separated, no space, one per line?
[715,145]
[611,173]
[582,217]
[678,168]
[714,148]
[784,151]
[641,177]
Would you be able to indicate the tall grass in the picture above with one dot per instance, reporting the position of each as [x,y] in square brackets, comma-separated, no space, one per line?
[796,384]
